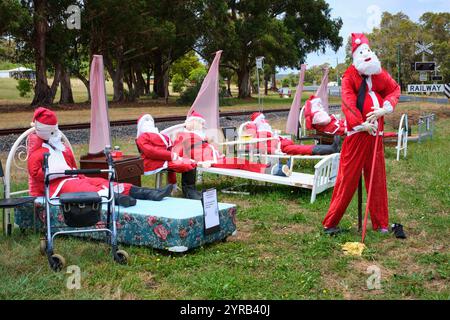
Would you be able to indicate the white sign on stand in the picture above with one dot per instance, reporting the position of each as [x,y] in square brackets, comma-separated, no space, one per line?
[211,211]
[423,76]
[425,88]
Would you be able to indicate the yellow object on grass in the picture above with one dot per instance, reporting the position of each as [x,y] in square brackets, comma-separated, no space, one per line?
[353,248]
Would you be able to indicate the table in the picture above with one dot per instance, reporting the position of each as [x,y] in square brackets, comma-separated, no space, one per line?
[129,168]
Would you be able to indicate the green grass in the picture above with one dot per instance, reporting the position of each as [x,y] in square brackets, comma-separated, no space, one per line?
[279,253]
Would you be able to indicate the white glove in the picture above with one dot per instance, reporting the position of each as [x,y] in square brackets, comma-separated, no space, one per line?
[367,126]
[377,112]
[175,156]
[204,165]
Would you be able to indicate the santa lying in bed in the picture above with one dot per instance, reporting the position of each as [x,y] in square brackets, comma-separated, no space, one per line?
[193,143]
[260,128]
[48,140]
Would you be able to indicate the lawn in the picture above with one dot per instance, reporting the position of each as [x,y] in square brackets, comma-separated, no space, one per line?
[279,252]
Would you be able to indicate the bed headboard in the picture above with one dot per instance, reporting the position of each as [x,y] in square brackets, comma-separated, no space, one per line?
[18,156]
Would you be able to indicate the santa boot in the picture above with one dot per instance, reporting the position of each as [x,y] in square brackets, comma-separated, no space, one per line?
[151,194]
[124,200]
[188,185]
[322,149]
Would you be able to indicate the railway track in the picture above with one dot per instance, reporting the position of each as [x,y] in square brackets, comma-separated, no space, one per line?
[122,123]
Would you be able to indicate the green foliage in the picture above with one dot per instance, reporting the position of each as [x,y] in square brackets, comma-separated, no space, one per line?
[184,65]
[286,82]
[178,83]
[24,86]
[188,96]
[198,74]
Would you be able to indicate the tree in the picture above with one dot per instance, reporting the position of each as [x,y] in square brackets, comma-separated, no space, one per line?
[283,31]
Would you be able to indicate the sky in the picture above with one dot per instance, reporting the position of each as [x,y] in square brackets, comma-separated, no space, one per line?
[363,15]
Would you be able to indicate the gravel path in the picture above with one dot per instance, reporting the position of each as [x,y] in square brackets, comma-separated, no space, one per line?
[82,136]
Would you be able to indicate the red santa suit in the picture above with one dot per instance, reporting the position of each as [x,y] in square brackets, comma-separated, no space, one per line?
[382,92]
[156,151]
[317,118]
[61,158]
[194,145]
[264,130]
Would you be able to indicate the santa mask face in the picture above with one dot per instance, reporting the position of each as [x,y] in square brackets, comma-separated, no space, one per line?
[320,117]
[366,61]
[148,126]
[55,140]
[195,125]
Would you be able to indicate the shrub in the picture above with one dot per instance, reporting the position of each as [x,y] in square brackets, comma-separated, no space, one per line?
[177,83]
[24,86]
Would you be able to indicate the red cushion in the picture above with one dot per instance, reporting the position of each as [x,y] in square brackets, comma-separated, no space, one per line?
[390,134]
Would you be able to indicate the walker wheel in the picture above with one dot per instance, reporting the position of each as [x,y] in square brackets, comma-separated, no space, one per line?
[57,262]
[121,257]
[43,246]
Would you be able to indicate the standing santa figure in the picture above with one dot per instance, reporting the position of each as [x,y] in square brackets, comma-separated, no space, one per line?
[61,159]
[368,94]
[156,150]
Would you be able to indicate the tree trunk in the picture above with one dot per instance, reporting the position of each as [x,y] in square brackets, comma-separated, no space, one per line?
[274,80]
[66,88]
[158,81]
[86,84]
[229,87]
[244,82]
[42,92]
[56,80]
[147,84]
[140,82]
[266,86]
[116,76]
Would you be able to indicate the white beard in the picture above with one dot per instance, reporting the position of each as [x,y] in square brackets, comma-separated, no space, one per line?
[367,68]
[147,127]
[56,141]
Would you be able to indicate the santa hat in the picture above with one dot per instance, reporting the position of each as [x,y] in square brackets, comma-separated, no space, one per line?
[195,116]
[145,123]
[357,40]
[257,116]
[45,122]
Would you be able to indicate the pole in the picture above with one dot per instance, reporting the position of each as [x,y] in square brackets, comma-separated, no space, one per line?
[259,95]
[360,204]
[399,68]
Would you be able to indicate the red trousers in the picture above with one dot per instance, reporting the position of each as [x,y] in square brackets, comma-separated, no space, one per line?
[288,147]
[179,166]
[86,184]
[356,156]
[241,164]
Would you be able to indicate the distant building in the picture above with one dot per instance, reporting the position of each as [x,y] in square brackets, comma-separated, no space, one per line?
[18,73]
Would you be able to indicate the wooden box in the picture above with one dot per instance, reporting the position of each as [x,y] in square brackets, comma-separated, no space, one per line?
[129,168]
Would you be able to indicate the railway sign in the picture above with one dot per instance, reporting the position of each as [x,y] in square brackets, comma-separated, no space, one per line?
[425,88]
[447,90]
[424,48]
[425,66]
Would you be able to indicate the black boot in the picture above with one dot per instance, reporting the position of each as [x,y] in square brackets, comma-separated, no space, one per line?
[188,185]
[151,194]
[124,200]
[323,149]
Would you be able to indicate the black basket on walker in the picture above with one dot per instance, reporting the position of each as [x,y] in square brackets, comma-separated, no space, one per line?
[81,209]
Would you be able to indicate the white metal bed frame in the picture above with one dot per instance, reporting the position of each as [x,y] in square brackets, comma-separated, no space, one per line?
[19,152]
[324,177]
